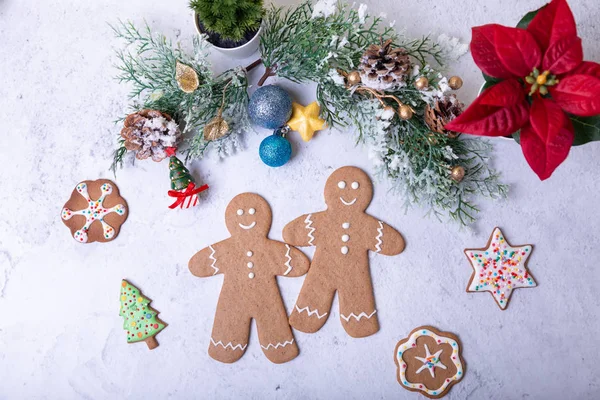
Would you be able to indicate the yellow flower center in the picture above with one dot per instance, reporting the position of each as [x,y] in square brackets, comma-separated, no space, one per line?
[540,81]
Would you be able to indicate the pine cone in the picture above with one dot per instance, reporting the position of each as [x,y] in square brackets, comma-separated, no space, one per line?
[149,133]
[382,67]
[443,111]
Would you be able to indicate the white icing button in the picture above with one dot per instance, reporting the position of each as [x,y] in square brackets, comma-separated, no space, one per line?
[250,264]
[342,185]
[251,275]
[240,212]
[345,238]
[355,185]
[249,253]
[345,250]
[251,211]
[346,225]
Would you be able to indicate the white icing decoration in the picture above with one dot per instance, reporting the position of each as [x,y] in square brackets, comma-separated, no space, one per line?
[358,317]
[490,274]
[348,203]
[252,225]
[240,212]
[310,312]
[278,345]
[378,237]
[94,212]
[412,340]
[250,264]
[219,343]
[288,262]
[355,185]
[346,225]
[345,250]
[251,275]
[251,211]
[310,228]
[345,238]
[430,362]
[342,185]
[214,260]
[249,253]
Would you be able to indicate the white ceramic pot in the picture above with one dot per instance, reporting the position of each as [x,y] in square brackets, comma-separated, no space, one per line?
[243,51]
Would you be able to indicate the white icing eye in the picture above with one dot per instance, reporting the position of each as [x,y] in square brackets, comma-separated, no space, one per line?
[355,185]
[251,211]
[240,212]
[342,185]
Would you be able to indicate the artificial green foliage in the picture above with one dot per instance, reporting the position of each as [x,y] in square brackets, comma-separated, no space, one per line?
[231,19]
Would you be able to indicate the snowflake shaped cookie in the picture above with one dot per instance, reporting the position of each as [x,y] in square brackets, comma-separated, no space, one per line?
[499,268]
[95,211]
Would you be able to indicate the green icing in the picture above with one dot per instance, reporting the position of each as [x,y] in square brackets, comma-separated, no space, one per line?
[140,320]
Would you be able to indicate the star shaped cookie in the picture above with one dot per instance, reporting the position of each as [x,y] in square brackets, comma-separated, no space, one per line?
[499,268]
[305,120]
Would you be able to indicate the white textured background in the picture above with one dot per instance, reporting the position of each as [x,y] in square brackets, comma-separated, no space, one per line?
[60,332]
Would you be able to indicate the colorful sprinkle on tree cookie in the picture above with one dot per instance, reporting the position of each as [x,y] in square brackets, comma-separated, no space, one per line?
[141,320]
[429,362]
[95,211]
[499,268]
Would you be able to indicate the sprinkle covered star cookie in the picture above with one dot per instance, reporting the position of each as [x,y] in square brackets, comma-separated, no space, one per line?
[499,268]
[429,362]
[95,211]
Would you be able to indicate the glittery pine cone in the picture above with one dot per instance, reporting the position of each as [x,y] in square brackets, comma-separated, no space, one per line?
[383,67]
[442,112]
[149,133]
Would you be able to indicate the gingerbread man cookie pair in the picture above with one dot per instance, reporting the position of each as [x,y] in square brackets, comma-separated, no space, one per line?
[343,235]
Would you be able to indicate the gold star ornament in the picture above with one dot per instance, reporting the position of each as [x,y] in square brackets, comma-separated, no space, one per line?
[305,120]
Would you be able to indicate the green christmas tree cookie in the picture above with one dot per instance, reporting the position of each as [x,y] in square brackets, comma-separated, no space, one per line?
[180,175]
[141,320]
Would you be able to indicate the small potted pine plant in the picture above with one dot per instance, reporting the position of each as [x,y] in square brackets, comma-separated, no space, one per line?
[231,26]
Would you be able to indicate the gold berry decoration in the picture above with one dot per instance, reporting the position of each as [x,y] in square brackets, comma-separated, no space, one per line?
[457,173]
[422,83]
[353,78]
[405,112]
[455,82]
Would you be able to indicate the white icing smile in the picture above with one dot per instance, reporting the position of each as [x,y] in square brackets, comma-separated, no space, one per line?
[247,226]
[348,203]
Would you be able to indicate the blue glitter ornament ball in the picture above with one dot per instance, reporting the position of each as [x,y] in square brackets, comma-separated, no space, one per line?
[270,107]
[275,150]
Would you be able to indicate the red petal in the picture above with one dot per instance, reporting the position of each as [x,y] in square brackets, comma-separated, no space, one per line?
[552,23]
[546,141]
[499,111]
[578,94]
[503,52]
[563,56]
[587,68]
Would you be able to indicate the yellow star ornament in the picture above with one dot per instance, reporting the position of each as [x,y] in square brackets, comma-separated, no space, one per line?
[305,120]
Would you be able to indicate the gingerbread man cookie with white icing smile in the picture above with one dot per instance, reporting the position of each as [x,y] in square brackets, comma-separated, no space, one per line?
[343,236]
[250,262]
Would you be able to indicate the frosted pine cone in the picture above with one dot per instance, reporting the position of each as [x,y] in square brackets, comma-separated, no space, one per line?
[442,112]
[149,133]
[382,67]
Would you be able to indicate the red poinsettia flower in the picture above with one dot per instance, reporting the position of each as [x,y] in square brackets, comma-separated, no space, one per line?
[544,81]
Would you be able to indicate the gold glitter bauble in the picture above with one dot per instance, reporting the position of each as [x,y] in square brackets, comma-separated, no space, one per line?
[405,112]
[187,78]
[422,83]
[353,78]
[457,173]
[455,82]
[216,128]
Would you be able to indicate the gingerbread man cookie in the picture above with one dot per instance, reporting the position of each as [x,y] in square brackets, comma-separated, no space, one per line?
[343,236]
[95,211]
[250,262]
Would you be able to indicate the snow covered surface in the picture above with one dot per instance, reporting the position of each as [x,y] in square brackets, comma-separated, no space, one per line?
[60,332]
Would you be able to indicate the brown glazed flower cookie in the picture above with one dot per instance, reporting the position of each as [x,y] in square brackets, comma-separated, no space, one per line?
[95,211]
[250,262]
[429,362]
[343,236]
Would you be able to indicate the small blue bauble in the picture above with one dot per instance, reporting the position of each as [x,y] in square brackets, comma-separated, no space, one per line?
[275,150]
[270,107]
